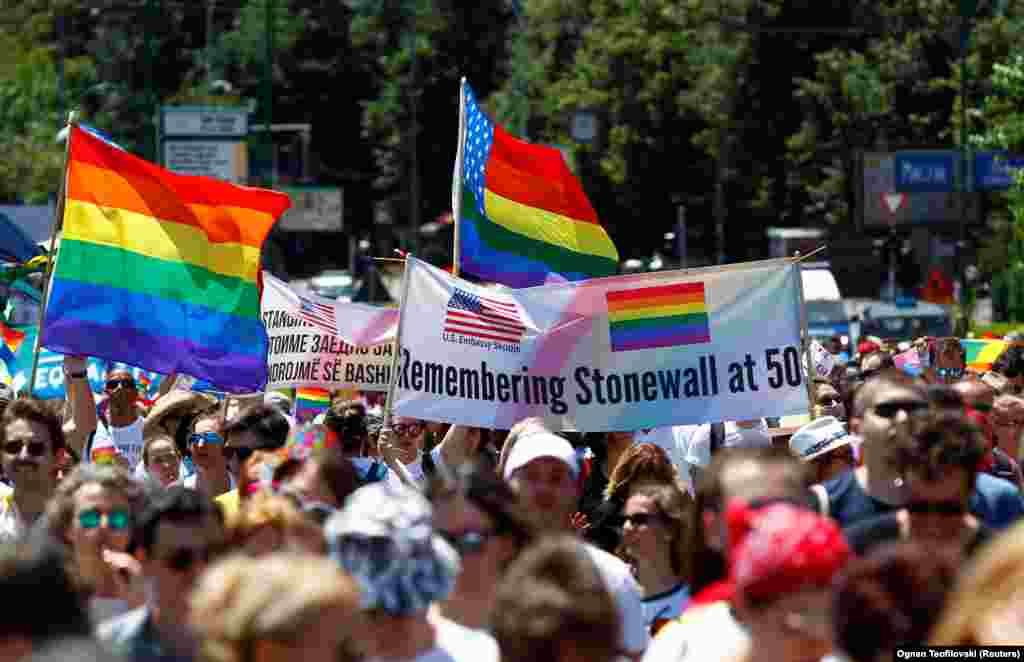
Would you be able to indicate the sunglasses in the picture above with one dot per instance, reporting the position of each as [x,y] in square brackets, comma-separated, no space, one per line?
[890,409]
[243,453]
[35,448]
[955,373]
[403,430]
[117,520]
[184,558]
[936,507]
[468,542]
[112,384]
[640,519]
[208,438]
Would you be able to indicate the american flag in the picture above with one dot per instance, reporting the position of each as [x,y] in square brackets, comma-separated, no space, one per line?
[320,315]
[483,317]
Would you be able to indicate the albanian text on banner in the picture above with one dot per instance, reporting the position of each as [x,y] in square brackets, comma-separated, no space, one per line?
[304,354]
[622,353]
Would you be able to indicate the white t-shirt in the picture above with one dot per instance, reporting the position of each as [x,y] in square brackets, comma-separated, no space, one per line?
[455,643]
[623,588]
[128,441]
[704,634]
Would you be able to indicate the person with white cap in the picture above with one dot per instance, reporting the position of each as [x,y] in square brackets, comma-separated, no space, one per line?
[542,468]
[824,443]
[385,539]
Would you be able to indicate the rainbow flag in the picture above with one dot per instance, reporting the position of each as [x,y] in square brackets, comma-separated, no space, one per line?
[663,316]
[523,217]
[104,451]
[981,354]
[309,402]
[12,339]
[160,270]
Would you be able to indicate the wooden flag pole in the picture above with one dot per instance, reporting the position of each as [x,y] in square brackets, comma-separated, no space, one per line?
[804,335]
[457,178]
[51,264]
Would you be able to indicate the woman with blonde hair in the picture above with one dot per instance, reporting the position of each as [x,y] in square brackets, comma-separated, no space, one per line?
[984,606]
[268,523]
[279,608]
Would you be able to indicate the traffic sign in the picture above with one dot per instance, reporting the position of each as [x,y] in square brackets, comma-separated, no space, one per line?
[994,171]
[894,201]
[933,171]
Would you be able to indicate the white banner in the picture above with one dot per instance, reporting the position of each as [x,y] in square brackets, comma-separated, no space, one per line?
[307,350]
[621,353]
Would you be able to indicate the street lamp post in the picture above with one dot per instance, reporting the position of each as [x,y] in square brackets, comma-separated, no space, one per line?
[968,8]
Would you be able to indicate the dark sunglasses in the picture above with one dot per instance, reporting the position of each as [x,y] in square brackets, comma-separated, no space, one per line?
[112,384]
[242,452]
[402,430]
[182,559]
[955,373]
[936,507]
[117,520]
[890,409]
[35,448]
[467,542]
[640,519]
[209,438]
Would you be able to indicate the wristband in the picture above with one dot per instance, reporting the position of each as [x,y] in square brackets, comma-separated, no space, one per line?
[81,374]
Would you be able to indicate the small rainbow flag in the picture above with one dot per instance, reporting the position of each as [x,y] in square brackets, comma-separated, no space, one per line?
[309,402]
[981,354]
[663,316]
[11,342]
[104,451]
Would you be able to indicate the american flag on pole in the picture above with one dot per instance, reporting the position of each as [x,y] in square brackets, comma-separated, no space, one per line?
[320,315]
[483,317]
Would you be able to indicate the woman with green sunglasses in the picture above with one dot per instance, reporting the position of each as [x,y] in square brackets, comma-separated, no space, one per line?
[92,513]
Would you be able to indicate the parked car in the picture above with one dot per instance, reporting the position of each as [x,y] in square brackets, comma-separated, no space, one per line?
[902,320]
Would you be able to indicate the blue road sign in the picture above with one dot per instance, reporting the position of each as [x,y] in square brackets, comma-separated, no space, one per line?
[925,171]
[993,171]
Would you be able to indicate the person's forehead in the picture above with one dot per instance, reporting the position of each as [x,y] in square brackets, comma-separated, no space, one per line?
[208,424]
[92,495]
[161,445]
[545,464]
[21,429]
[640,503]
[895,392]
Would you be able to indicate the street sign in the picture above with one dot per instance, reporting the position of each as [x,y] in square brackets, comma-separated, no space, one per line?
[917,208]
[926,171]
[894,201]
[314,209]
[206,121]
[994,171]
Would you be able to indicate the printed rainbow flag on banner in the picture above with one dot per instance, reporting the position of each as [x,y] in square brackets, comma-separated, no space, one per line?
[310,402]
[523,217]
[160,270]
[663,316]
[12,339]
[981,354]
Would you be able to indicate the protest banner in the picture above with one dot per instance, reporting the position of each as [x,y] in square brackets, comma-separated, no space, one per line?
[621,353]
[305,347]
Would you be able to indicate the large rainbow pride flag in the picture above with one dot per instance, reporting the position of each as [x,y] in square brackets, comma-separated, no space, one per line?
[523,217]
[160,270]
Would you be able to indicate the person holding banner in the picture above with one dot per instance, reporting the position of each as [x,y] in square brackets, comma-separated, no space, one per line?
[123,422]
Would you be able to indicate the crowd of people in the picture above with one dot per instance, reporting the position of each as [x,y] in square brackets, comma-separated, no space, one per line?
[199,530]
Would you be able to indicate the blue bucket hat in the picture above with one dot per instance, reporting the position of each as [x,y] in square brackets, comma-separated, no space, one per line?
[384,537]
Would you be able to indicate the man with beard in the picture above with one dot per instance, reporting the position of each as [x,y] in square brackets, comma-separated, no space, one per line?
[31,441]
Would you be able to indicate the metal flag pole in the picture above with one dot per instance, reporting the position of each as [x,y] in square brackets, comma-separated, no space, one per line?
[58,224]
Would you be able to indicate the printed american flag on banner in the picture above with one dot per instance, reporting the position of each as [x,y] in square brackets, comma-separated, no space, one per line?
[483,317]
[319,315]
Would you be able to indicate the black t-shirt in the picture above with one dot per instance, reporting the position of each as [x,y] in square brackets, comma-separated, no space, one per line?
[870,533]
